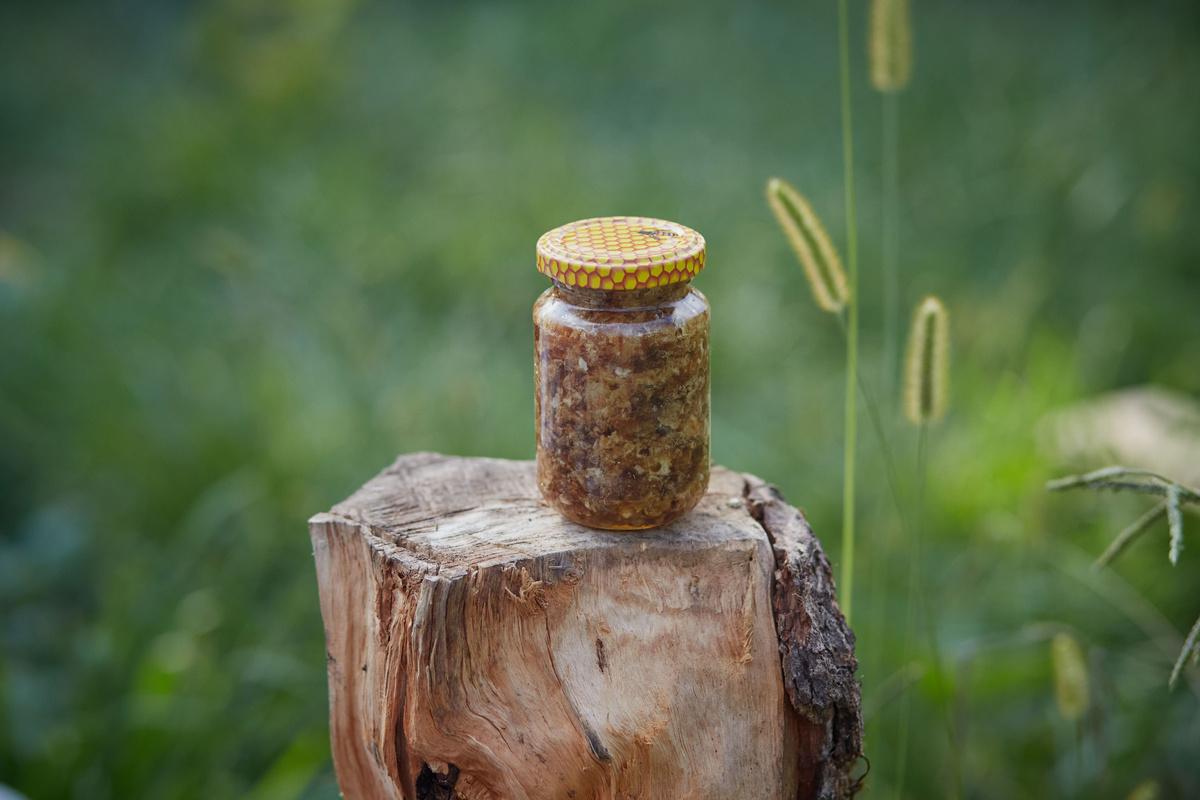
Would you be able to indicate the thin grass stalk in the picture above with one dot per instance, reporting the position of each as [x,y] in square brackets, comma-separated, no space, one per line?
[910,620]
[1186,495]
[1130,534]
[885,449]
[1108,585]
[892,688]
[903,509]
[891,239]
[925,380]
[907,529]
[847,582]
[1190,645]
[902,512]
[891,308]
[877,666]
[1117,479]
[935,647]
[878,581]
[1174,495]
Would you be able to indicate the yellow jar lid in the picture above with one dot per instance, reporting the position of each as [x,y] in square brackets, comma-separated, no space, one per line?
[620,253]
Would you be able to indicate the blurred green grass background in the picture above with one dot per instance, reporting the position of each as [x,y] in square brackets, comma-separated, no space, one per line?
[250,250]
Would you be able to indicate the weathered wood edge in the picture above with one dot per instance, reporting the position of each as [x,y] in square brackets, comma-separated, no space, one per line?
[816,645]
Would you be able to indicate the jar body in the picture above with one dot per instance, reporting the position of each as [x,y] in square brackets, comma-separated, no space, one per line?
[622,403]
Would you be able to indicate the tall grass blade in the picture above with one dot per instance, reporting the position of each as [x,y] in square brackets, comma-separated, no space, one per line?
[1190,645]
[813,247]
[1127,536]
[891,241]
[851,422]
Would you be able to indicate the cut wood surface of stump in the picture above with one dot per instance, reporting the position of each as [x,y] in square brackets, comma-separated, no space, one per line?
[482,647]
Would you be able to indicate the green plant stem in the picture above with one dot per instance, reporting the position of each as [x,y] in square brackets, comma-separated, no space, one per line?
[1118,478]
[914,550]
[893,482]
[911,524]
[1109,586]
[892,688]
[918,598]
[1189,646]
[935,647]
[891,240]
[1127,536]
[1108,479]
[847,582]
[885,450]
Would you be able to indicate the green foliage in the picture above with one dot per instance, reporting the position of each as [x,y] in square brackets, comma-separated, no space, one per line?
[251,251]
[1117,479]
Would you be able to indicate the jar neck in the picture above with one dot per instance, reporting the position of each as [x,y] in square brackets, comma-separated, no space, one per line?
[623,298]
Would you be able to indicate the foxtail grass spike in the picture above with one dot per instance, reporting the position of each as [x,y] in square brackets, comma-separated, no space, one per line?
[1146,790]
[926,365]
[1192,646]
[1175,520]
[1070,676]
[808,238]
[890,45]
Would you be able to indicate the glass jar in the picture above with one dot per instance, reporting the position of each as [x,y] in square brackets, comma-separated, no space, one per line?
[621,374]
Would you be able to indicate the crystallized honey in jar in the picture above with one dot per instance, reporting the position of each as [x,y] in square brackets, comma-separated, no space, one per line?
[621,375]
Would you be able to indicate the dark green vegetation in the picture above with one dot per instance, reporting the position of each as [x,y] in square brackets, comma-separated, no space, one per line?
[253,249]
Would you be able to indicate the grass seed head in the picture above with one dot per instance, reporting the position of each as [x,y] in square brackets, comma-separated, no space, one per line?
[1175,523]
[820,260]
[890,45]
[1146,790]
[1070,676]
[927,363]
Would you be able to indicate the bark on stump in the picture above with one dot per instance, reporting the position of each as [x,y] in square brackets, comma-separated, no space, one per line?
[482,647]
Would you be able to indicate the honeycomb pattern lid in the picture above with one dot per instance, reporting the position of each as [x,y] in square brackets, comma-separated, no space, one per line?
[620,253]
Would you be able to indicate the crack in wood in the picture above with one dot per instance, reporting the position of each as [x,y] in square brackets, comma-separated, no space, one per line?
[512,654]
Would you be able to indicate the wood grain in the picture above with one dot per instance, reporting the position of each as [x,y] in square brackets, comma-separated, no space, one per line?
[480,646]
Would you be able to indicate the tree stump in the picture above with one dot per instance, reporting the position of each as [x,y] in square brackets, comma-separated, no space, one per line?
[482,647]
